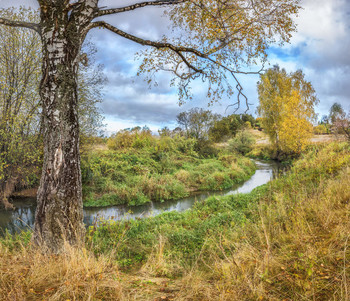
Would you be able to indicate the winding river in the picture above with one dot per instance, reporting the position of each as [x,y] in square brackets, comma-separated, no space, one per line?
[22,217]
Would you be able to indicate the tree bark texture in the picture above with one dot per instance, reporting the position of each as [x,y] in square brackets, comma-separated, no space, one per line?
[59,213]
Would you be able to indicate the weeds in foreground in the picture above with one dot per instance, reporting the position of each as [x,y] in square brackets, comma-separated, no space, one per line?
[294,251]
[27,274]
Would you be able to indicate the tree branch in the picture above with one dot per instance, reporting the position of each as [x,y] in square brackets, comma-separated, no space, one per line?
[179,51]
[158,45]
[138,5]
[33,26]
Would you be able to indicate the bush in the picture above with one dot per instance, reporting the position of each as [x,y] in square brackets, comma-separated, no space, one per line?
[242,143]
[205,149]
[321,129]
[134,138]
[166,171]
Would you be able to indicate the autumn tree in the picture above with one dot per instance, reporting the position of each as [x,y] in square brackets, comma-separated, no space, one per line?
[286,106]
[229,126]
[211,40]
[20,59]
[342,125]
[220,129]
[335,112]
[183,120]
[91,80]
[196,122]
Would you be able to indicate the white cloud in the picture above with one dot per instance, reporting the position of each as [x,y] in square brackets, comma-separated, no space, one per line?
[320,48]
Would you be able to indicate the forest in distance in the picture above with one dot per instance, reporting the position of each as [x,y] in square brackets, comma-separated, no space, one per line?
[284,238]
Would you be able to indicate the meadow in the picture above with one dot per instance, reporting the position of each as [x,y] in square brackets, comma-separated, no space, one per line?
[287,240]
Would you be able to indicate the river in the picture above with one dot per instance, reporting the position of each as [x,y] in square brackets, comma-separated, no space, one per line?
[22,218]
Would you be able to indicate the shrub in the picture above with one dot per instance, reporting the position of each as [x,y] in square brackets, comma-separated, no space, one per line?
[122,139]
[135,138]
[321,129]
[205,148]
[242,143]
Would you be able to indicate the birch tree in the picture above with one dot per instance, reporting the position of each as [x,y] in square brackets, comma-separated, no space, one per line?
[20,106]
[216,40]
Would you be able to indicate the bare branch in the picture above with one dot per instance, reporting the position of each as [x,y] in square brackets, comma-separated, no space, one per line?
[179,50]
[138,5]
[33,26]
[158,45]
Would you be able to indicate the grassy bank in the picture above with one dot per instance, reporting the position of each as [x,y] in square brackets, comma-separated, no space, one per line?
[287,240]
[137,176]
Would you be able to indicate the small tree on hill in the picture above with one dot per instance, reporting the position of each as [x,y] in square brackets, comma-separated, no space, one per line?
[335,112]
[341,123]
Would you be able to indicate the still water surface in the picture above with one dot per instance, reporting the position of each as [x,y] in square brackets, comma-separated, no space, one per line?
[23,216]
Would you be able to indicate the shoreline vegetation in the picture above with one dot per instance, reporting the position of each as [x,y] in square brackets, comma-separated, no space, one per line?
[135,177]
[228,178]
[138,167]
[93,186]
[158,169]
[285,240]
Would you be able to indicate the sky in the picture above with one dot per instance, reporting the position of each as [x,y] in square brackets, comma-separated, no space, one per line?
[320,48]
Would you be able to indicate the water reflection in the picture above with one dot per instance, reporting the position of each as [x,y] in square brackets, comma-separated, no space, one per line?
[23,216]
[20,218]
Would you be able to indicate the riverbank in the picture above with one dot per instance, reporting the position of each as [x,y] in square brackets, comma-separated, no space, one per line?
[139,176]
[22,218]
[26,193]
[287,240]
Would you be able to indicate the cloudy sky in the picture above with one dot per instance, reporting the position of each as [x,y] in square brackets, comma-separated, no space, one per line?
[320,48]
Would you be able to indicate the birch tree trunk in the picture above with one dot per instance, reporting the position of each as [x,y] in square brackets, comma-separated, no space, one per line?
[59,213]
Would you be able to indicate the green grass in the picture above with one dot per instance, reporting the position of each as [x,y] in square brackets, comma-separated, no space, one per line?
[138,176]
[187,231]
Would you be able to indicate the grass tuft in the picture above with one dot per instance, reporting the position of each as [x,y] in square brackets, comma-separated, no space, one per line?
[27,274]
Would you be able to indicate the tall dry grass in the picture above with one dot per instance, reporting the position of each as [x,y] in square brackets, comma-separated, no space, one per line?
[299,250]
[27,274]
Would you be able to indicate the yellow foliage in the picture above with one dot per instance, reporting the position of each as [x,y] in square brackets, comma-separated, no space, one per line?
[296,130]
[223,36]
[287,108]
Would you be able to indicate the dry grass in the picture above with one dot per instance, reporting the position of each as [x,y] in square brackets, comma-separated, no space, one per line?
[260,137]
[297,248]
[326,138]
[26,274]
[263,139]
[298,251]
